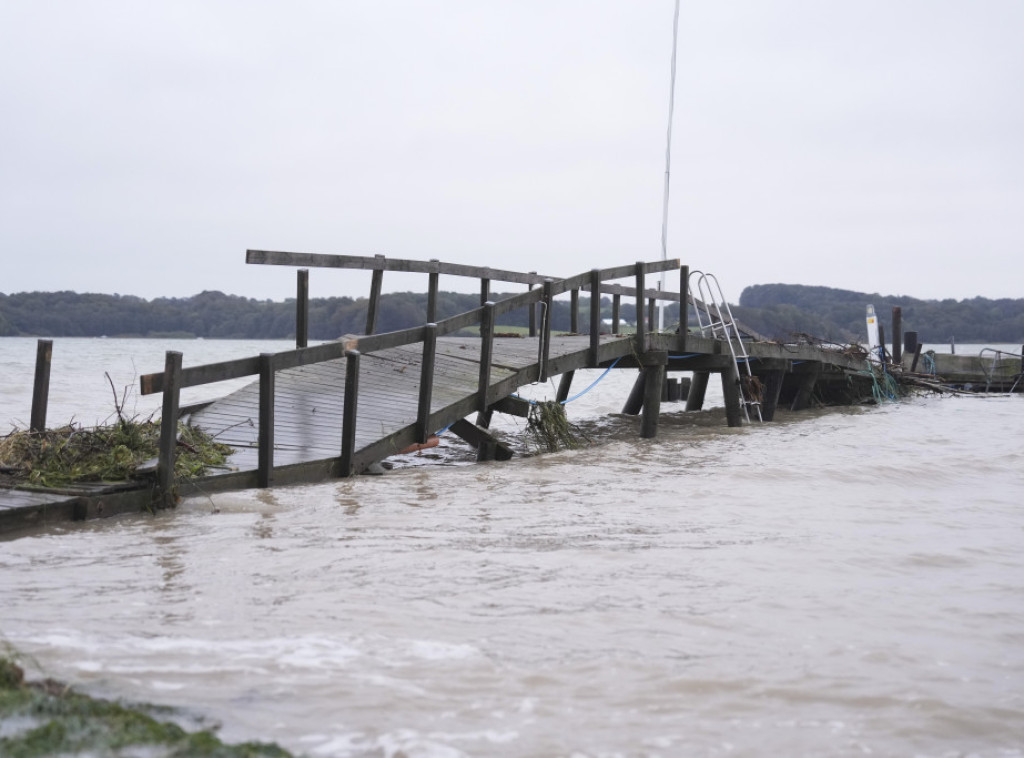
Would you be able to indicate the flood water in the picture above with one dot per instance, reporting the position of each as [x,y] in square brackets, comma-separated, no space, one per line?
[836,583]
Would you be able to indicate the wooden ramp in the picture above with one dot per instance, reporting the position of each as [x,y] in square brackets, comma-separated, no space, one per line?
[309,400]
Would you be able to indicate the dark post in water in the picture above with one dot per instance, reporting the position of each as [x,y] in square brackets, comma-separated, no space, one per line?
[41,387]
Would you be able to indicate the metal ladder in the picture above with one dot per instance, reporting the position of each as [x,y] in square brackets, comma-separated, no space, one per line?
[722,325]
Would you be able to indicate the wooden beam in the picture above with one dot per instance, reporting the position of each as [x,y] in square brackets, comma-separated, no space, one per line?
[41,385]
[475,436]
[302,307]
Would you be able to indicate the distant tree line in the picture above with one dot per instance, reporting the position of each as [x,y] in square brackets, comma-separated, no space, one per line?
[779,310]
[213,315]
[775,310]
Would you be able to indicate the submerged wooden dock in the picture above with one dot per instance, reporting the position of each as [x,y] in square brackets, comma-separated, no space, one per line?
[335,409]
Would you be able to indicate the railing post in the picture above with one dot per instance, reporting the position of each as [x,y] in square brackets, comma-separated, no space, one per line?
[302,308]
[595,315]
[486,354]
[41,386]
[376,282]
[265,457]
[545,330]
[485,291]
[684,306]
[533,313]
[652,307]
[433,278]
[574,311]
[641,336]
[348,420]
[426,383]
[168,430]
[616,308]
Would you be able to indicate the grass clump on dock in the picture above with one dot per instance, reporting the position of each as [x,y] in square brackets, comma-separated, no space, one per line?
[114,453]
[48,718]
[549,428]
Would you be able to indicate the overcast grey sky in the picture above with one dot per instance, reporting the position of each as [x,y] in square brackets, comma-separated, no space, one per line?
[875,145]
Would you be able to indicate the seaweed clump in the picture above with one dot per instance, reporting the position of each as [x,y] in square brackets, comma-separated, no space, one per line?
[550,430]
[114,453]
[48,718]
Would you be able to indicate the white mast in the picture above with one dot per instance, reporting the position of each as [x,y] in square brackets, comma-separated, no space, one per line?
[668,165]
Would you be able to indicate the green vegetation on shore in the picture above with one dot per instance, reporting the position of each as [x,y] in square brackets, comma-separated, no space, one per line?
[776,310]
[47,718]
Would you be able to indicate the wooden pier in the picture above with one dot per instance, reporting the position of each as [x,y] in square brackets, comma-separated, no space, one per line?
[335,409]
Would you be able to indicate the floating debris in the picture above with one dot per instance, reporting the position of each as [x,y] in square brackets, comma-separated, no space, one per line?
[549,428]
[115,453]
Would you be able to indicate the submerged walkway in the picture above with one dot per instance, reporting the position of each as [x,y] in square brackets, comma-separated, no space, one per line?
[337,408]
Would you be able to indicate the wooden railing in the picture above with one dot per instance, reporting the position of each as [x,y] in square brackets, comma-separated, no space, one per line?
[174,378]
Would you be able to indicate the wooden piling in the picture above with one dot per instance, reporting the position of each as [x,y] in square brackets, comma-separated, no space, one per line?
[917,357]
[426,393]
[616,310]
[376,282]
[652,319]
[302,307]
[168,430]
[672,390]
[805,390]
[698,388]
[545,333]
[433,284]
[897,334]
[349,409]
[595,316]
[485,291]
[733,398]
[654,375]
[265,432]
[910,342]
[641,334]
[771,383]
[684,306]
[486,355]
[41,386]
[533,312]
[564,385]
[635,400]
[881,342]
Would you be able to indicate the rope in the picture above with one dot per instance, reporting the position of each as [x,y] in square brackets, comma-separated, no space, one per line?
[578,395]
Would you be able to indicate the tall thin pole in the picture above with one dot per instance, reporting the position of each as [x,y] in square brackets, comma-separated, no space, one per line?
[668,160]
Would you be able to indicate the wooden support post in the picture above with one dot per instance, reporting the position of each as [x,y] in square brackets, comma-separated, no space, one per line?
[654,375]
[433,282]
[652,319]
[41,386]
[731,393]
[168,430]
[486,355]
[564,385]
[684,306]
[805,390]
[485,291]
[486,451]
[474,435]
[349,411]
[698,388]
[423,431]
[376,282]
[673,389]
[635,401]
[483,419]
[574,311]
[545,330]
[771,384]
[595,316]
[881,342]
[302,308]
[533,313]
[265,455]
[910,342]
[897,334]
[616,310]
[641,336]
[917,357]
